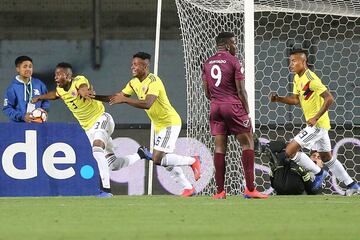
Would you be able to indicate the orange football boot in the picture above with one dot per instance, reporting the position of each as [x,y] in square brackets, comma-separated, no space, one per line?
[196,168]
[254,194]
[188,192]
[221,195]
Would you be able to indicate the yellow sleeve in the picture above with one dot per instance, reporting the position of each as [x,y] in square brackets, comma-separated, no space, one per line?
[56,92]
[317,86]
[128,89]
[79,80]
[296,91]
[155,87]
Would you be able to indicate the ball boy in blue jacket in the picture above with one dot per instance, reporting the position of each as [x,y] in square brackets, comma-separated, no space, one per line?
[17,100]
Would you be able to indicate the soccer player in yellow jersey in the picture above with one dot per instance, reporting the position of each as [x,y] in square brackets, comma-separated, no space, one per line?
[315,100]
[167,123]
[98,125]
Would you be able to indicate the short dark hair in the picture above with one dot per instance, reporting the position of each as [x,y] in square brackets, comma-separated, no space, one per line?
[223,38]
[312,152]
[64,65]
[298,50]
[21,59]
[142,55]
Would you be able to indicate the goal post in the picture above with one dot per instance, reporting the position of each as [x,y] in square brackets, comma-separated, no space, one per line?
[249,56]
[156,67]
[329,30]
[200,23]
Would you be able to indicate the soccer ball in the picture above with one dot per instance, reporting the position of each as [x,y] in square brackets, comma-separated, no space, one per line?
[39,115]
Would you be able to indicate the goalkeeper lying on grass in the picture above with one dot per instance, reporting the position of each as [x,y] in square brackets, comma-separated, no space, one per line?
[287,177]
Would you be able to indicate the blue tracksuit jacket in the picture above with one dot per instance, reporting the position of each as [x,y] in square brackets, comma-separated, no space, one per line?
[17,96]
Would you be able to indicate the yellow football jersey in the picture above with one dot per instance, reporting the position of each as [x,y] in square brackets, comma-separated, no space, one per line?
[85,111]
[161,113]
[309,88]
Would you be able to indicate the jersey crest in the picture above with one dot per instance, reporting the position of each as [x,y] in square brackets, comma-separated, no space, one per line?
[246,123]
[307,91]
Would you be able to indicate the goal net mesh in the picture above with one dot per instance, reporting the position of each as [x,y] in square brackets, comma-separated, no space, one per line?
[329,30]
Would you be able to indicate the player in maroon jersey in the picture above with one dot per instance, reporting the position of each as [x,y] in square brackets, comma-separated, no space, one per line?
[224,85]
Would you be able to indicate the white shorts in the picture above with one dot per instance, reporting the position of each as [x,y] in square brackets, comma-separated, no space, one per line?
[102,130]
[165,140]
[314,138]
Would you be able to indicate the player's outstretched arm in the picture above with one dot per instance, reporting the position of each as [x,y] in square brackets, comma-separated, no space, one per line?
[48,96]
[291,100]
[118,98]
[102,98]
[143,104]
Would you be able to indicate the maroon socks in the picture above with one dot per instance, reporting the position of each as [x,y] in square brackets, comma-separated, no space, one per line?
[219,163]
[247,160]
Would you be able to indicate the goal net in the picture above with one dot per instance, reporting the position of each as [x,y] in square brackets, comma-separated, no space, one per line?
[329,30]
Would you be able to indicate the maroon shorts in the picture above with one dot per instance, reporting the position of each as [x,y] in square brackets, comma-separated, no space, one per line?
[227,119]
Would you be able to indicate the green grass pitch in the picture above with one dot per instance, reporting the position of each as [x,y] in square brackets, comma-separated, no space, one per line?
[170,217]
